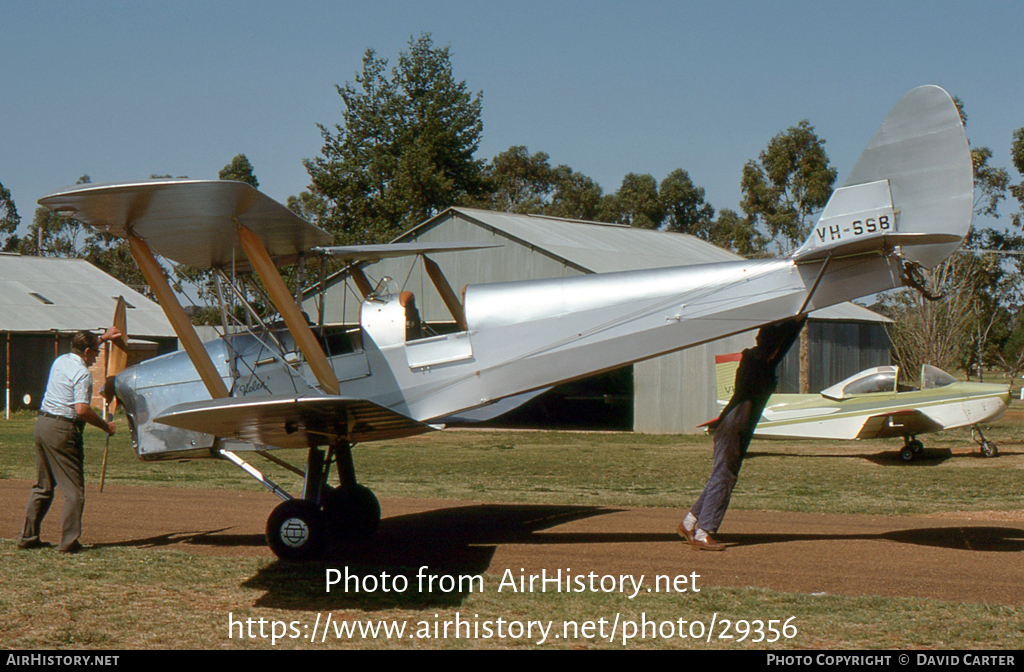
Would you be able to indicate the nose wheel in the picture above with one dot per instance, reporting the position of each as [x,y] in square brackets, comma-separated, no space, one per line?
[986,447]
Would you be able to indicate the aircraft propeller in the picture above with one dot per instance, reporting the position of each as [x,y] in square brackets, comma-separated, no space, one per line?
[116,362]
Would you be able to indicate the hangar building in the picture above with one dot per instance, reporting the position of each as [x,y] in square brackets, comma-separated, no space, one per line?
[44,301]
[671,394]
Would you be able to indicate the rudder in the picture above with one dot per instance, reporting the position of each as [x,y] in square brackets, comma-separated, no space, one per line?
[912,187]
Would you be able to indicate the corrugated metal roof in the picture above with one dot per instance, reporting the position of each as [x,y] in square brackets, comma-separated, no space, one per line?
[46,294]
[849,312]
[596,247]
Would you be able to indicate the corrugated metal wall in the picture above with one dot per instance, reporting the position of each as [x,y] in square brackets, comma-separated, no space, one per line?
[676,392]
[839,350]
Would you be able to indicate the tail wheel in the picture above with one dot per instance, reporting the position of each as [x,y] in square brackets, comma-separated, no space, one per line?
[295,530]
[353,513]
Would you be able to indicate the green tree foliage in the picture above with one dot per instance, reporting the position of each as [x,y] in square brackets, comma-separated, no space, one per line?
[1017,190]
[519,181]
[636,203]
[738,233]
[50,235]
[239,170]
[990,183]
[403,151]
[790,180]
[9,220]
[685,208]
[576,196]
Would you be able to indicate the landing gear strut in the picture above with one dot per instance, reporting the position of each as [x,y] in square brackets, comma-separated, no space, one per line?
[298,529]
[987,448]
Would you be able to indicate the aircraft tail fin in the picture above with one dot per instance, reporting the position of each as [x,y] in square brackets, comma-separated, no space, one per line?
[912,188]
[725,375]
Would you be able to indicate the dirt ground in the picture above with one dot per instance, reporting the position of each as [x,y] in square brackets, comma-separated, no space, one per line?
[965,557]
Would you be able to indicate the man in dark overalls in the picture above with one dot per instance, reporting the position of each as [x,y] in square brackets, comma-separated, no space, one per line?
[755,383]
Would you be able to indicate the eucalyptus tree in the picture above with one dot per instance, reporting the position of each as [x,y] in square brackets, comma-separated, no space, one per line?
[9,220]
[404,149]
[789,182]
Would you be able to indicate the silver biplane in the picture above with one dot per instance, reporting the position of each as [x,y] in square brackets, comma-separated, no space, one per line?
[906,205]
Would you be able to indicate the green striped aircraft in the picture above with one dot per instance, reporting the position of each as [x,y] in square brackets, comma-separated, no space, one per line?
[872,404]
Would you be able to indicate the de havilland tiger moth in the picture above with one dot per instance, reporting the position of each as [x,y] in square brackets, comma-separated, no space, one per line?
[906,205]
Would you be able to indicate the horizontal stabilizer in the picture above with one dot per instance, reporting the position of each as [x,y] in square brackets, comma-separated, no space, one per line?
[290,422]
[377,252]
[191,221]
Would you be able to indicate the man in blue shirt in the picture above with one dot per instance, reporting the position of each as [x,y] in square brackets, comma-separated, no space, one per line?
[65,409]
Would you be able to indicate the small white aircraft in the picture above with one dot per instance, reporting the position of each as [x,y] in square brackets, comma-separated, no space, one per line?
[873,405]
[905,205]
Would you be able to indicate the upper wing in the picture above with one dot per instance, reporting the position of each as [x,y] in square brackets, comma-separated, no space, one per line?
[190,221]
[898,423]
[290,422]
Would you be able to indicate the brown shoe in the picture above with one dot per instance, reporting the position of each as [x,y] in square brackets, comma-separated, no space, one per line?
[685,533]
[35,543]
[706,544]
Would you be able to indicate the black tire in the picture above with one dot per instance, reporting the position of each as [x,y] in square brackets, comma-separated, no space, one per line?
[353,514]
[989,449]
[295,530]
[916,446]
[907,454]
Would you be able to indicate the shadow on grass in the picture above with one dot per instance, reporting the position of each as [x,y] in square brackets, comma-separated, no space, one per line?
[418,561]
[987,539]
[929,456]
[453,545]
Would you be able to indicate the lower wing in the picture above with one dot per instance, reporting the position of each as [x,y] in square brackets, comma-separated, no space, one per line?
[292,422]
[897,424]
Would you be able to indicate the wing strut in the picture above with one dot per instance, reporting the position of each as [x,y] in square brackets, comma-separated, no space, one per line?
[290,313]
[445,290]
[176,316]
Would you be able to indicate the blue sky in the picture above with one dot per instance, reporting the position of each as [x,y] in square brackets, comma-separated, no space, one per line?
[121,90]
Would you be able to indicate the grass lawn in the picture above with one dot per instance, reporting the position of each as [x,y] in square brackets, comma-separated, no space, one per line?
[125,598]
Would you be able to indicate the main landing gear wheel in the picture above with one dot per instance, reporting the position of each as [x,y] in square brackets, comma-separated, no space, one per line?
[911,449]
[296,530]
[299,529]
[988,449]
[352,514]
